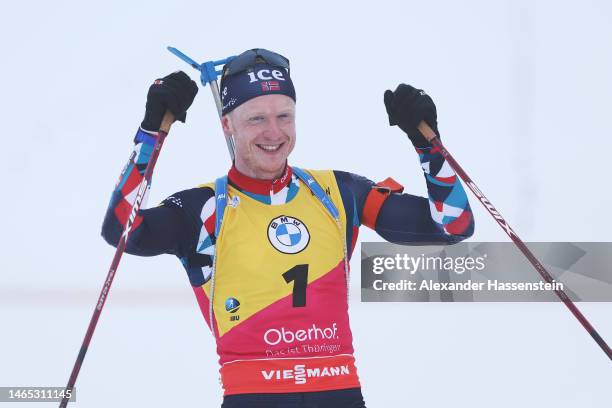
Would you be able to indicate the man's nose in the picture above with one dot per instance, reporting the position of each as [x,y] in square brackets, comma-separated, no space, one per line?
[274,128]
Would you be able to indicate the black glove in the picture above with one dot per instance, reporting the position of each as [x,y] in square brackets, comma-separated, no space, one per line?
[407,107]
[174,93]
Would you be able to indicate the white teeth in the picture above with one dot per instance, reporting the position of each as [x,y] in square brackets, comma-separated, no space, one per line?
[269,148]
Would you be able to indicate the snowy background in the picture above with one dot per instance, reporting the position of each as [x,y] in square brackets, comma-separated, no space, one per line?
[524,94]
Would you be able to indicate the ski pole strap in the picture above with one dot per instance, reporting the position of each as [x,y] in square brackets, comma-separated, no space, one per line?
[145,137]
[376,198]
[317,190]
[221,202]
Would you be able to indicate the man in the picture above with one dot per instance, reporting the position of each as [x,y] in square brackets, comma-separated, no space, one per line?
[267,247]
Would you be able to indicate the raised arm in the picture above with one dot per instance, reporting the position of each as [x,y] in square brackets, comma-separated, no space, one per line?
[164,229]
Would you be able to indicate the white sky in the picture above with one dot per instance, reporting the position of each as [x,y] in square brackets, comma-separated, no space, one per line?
[524,94]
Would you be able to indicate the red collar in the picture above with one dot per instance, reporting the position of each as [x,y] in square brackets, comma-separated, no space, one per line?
[257,186]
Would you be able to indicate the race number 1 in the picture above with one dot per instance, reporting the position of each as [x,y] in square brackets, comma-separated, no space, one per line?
[299,276]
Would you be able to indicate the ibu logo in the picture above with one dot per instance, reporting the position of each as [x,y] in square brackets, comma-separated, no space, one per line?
[232,305]
[288,235]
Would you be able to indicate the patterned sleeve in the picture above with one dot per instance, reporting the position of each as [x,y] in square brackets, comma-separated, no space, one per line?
[163,229]
[444,217]
[197,205]
[449,205]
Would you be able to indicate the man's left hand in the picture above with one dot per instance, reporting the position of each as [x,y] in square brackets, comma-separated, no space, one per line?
[407,107]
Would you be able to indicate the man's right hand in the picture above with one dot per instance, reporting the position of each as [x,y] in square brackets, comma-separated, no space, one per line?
[174,93]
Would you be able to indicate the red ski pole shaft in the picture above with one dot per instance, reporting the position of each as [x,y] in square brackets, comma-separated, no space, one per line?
[144,186]
[431,136]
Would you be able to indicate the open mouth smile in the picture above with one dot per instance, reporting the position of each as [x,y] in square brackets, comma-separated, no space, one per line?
[270,147]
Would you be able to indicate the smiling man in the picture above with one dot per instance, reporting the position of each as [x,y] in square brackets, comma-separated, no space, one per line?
[267,246]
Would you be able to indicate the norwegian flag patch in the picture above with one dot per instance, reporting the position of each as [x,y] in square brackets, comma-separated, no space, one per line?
[270,86]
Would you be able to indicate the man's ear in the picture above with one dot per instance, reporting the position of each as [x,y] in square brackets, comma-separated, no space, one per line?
[226,124]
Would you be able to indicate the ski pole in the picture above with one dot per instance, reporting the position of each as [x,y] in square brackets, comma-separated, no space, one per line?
[145,184]
[431,136]
[208,75]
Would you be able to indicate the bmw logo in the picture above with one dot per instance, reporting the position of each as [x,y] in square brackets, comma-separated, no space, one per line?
[232,305]
[288,235]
